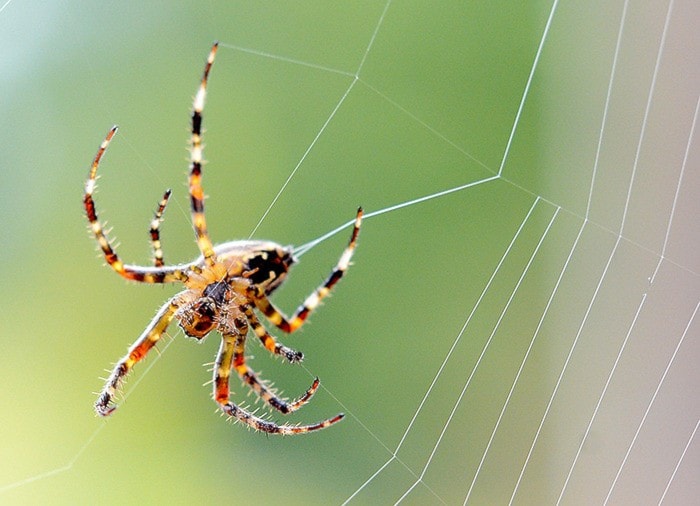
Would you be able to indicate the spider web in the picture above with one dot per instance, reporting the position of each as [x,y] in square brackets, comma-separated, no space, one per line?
[543,344]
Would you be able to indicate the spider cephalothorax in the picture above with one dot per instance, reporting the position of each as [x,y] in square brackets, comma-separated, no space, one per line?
[216,293]
[224,288]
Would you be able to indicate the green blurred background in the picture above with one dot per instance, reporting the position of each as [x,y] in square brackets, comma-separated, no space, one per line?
[432,110]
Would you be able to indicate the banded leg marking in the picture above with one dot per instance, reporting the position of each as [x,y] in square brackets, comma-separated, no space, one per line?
[104,405]
[224,362]
[289,325]
[268,341]
[131,272]
[196,160]
[262,391]
[155,230]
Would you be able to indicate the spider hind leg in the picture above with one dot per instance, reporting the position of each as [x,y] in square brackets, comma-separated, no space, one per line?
[222,370]
[269,427]
[268,341]
[263,391]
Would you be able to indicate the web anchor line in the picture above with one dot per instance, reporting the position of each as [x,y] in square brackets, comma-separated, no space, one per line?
[620,234]
[300,250]
[498,173]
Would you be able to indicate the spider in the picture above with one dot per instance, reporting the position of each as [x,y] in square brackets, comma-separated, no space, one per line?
[224,288]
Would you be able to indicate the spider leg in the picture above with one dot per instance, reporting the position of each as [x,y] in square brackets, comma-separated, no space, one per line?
[195,178]
[312,301]
[132,272]
[268,341]
[155,230]
[222,371]
[137,351]
[262,391]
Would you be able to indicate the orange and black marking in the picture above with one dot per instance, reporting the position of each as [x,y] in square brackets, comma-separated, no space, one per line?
[196,161]
[155,230]
[136,352]
[268,341]
[131,272]
[223,289]
[289,325]
[250,378]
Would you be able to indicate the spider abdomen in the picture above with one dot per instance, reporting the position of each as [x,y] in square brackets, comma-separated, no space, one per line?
[264,263]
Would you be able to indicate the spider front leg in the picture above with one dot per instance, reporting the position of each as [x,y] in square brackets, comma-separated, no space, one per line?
[195,179]
[155,230]
[131,272]
[312,301]
[137,351]
[222,372]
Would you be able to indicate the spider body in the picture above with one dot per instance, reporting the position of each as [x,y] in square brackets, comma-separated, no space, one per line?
[215,293]
[265,262]
[224,289]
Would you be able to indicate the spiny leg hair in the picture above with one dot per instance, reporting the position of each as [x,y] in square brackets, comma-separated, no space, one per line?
[131,272]
[104,405]
[155,230]
[260,389]
[222,371]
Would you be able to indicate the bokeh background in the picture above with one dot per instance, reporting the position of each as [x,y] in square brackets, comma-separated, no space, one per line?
[432,109]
